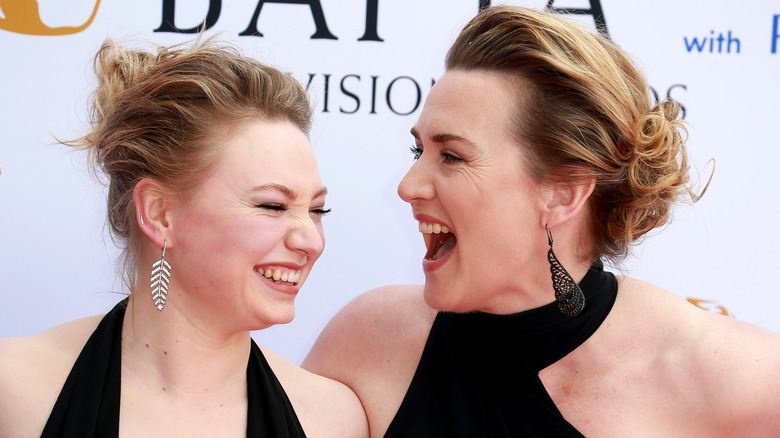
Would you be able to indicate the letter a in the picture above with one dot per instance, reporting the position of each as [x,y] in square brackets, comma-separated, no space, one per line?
[322,31]
[595,10]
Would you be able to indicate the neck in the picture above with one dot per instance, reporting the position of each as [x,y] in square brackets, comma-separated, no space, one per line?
[536,289]
[169,351]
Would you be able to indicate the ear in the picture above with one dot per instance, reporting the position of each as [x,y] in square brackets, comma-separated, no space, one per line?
[567,199]
[152,210]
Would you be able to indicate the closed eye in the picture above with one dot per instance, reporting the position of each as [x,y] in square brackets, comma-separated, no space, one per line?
[273,207]
[320,211]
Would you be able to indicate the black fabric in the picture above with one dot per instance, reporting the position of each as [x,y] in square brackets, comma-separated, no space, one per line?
[88,405]
[479,373]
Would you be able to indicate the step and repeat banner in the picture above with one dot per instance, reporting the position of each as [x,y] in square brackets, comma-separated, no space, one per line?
[369,65]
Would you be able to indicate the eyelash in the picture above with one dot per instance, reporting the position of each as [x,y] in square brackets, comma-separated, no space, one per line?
[282,208]
[446,156]
[273,207]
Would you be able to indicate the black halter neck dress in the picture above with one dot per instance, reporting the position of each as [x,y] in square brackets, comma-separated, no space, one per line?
[479,373]
[88,405]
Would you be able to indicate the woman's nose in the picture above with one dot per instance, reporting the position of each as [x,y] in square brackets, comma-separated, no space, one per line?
[416,184]
[307,237]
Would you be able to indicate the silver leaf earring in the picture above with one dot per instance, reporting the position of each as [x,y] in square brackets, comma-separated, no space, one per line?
[568,294]
[161,278]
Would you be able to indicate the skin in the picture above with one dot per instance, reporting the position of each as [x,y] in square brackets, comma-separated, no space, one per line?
[657,366]
[260,208]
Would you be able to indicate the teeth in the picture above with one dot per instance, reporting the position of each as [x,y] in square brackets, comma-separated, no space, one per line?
[278,276]
[428,228]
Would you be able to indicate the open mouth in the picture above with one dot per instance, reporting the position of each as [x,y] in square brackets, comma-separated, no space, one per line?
[439,238]
[281,276]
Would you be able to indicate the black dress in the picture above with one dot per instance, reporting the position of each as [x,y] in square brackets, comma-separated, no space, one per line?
[88,405]
[479,373]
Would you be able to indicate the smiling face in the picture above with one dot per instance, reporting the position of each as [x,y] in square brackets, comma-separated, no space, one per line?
[480,214]
[246,240]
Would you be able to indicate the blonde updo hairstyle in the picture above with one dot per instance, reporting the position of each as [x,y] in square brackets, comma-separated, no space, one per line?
[583,108]
[152,114]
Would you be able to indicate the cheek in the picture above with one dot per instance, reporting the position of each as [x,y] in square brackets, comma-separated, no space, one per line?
[256,236]
[321,232]
[212,236]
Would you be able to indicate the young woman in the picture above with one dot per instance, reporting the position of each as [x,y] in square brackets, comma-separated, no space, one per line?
[215,198]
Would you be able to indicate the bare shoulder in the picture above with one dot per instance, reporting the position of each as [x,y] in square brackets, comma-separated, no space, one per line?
[32,372]
[733,365]
[325,407]
[373,346]
[739,365]
[373,328]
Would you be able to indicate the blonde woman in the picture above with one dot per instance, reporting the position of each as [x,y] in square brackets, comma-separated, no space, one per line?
[216,201]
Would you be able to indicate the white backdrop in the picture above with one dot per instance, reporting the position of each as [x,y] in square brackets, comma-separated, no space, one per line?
[57,261]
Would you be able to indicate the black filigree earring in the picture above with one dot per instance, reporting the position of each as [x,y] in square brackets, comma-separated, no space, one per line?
[568,294]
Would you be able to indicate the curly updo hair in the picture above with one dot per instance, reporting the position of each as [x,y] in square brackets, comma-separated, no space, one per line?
[583,107]
[152,113]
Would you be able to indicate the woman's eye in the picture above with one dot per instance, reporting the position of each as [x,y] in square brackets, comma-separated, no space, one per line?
[416,151]
[451,158]
[273,207]
[320,211]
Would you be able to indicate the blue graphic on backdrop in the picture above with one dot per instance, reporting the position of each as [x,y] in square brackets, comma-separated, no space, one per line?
[714,43]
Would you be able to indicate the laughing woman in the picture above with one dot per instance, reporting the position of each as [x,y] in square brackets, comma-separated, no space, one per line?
[213,188]
[538,152]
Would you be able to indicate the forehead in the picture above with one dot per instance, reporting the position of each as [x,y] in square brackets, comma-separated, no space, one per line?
[469,104]
[260,152]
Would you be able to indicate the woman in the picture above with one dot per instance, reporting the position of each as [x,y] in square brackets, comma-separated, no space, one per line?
[538,155]
[216,201]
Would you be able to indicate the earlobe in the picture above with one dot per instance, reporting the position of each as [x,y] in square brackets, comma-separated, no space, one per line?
[152,210]
[568,199]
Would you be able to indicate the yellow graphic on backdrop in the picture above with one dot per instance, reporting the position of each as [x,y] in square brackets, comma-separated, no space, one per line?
[710,306]
[23,16]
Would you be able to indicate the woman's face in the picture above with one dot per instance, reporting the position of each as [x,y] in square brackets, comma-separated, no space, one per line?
[246,241]
[478,210]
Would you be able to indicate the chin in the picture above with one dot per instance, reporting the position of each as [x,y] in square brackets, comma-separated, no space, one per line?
[437,299]
[265,319]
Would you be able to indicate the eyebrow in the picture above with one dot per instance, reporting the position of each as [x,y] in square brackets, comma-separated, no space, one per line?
[443,138]
[286,191]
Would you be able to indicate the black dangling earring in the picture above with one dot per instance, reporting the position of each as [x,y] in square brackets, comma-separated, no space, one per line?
[570,298]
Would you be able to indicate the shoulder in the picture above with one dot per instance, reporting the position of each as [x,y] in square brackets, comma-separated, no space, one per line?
[729,367]
[325,408]
[32,372]
[375,328]
[373,346]
[738,365]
